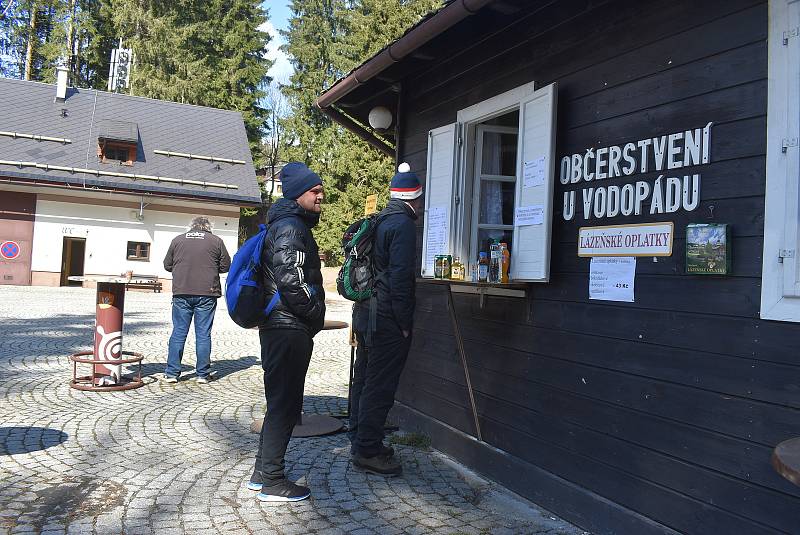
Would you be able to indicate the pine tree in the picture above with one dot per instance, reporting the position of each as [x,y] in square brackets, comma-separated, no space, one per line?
[209,53]
[27,29]
[74,33]
[372,24]
[326,39]
[239,49]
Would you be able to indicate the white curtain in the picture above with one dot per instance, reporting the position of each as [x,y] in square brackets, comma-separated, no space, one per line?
[491,190]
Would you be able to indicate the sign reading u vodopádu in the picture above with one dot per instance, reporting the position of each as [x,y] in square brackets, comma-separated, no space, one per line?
[670,191]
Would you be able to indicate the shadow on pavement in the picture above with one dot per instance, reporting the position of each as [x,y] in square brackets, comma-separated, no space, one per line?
[68,329]
[24,439]
[221,368]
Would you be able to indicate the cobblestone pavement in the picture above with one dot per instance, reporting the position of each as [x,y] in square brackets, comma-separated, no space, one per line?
[168,459]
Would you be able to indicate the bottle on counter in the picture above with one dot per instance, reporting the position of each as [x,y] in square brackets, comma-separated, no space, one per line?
[506,262]
[473,272]
[495,262]
[441,266]
[457,270]
[483,266]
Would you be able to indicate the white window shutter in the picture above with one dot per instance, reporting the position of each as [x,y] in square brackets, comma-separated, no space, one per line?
[791,245]
[780,275]
[439,183]
[530,258]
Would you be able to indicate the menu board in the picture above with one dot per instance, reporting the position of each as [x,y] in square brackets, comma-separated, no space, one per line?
[436,238]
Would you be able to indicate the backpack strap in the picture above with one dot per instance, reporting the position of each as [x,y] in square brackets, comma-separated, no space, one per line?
[373,300]
[277,296]
[272,303]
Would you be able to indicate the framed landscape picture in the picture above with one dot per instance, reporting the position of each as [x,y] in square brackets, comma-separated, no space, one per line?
[708,249]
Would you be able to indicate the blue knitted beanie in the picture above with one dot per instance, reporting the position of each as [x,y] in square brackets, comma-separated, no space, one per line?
[405,184]
[297,178]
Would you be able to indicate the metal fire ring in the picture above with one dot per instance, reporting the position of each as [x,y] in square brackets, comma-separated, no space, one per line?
[86,382]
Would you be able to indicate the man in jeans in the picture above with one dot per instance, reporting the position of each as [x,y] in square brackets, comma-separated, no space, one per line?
[384,334]
[290,265]
[195,260]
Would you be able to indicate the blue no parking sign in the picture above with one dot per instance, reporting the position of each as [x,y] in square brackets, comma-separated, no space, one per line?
[9,250]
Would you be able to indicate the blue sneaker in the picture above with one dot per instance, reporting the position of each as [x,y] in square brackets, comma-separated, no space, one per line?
[252,485]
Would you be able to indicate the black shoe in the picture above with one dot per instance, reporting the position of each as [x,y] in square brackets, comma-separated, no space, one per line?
[285,491]
[380,464]
[386,451]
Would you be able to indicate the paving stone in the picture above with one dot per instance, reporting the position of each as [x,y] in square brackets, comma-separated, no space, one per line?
[174,459]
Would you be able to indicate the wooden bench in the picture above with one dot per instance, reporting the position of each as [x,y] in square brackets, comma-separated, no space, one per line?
[145,281]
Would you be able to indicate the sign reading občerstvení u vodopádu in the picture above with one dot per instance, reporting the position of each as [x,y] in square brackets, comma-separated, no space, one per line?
[669,192]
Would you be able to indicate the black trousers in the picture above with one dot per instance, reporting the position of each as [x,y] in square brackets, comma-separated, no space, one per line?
[285,355]
[375,378]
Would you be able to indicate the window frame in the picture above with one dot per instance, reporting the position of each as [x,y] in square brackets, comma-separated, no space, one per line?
[116,145]
[780,299]
[477,182]
[451,174]
[468,120]
[138,244]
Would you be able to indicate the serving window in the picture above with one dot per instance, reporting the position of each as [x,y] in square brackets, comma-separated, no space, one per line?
[495,162]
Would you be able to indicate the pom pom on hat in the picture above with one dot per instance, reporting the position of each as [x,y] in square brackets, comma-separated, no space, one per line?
[405,184]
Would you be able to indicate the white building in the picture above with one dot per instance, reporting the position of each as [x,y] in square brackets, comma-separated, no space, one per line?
[99,183]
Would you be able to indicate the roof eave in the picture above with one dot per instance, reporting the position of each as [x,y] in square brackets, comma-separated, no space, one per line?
[34,179]
[446,18]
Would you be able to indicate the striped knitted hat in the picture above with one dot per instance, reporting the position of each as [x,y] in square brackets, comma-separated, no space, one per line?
[405,184]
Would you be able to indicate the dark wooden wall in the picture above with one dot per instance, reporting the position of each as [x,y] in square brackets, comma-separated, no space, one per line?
[622,417]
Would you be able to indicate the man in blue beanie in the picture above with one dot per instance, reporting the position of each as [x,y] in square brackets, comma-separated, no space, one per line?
[290,265]
[382,356]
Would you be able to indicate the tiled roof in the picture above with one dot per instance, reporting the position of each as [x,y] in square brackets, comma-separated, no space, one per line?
[31,108]
[117,130]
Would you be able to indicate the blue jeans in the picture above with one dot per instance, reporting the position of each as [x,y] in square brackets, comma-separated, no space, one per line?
[202,307]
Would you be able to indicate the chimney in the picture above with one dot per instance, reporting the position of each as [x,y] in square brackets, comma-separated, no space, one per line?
[62,78]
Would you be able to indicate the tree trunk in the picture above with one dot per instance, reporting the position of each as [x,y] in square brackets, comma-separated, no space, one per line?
[31,39]
[71,59]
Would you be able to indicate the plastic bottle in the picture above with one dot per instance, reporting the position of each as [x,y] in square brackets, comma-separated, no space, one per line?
[457,270]
[495,262]
[473,272]
[506,257]
[483,266]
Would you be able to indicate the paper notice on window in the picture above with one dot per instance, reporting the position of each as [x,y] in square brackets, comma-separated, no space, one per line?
[533,172]
[529,215]
[436,237]
[611,278]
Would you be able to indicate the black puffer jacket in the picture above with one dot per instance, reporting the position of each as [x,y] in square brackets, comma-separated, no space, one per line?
[395,260]
[290,264]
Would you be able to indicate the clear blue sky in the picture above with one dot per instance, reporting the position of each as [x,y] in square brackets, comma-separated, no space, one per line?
[279,13]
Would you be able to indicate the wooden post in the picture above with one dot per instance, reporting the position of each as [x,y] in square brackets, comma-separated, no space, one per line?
[460,344]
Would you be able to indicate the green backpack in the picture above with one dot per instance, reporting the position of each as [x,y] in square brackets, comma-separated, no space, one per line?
[357,276]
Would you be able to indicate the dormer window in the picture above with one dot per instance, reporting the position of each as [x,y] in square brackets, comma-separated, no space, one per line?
[117,141]
[112,152]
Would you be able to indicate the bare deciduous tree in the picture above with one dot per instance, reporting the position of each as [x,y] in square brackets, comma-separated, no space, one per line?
[278,108]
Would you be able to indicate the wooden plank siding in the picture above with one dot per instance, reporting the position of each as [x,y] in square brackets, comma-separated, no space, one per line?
[641,417]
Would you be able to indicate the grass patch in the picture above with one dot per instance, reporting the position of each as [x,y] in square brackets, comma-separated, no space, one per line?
[415,440]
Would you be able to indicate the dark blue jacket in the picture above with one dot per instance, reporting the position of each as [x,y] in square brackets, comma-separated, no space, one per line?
[290,263]
[395,262]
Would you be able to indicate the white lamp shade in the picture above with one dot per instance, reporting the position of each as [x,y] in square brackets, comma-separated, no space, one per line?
[380,118]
